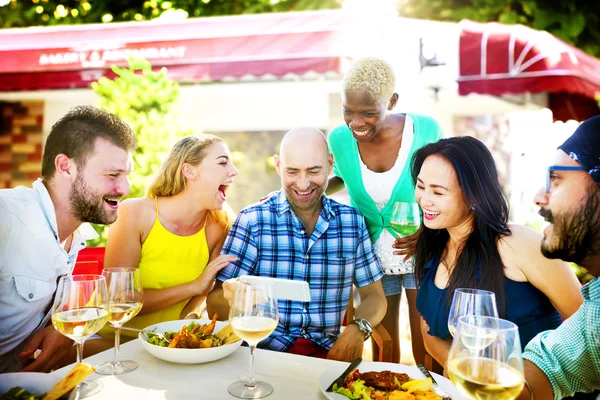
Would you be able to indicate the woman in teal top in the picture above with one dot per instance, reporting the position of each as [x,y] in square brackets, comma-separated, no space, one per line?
[371,153]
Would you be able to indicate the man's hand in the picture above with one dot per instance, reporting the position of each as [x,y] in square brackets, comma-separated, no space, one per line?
[55,348]
[348,346]
[406,245]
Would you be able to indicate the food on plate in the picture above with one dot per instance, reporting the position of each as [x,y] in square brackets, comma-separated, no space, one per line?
[227,335]
[18,393]
[70,381]
[385,385]
[196,336]
[60,390]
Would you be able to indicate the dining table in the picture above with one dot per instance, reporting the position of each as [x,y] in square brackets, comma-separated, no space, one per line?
[292,376]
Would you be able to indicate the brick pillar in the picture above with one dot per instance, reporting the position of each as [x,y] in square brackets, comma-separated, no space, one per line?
[21,143]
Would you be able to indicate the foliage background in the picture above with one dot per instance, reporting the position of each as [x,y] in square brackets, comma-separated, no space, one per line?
[147,101]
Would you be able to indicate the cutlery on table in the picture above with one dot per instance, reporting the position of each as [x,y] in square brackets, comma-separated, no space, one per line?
[160,335]
[340,379]
[436,388]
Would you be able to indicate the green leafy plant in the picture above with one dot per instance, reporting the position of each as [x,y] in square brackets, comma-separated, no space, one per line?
[147,101]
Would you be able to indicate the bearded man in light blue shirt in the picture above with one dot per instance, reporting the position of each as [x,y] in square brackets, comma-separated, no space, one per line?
[85,166]
[566,361]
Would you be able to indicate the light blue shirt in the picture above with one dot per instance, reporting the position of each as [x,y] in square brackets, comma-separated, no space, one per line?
[31,262]
[570,354]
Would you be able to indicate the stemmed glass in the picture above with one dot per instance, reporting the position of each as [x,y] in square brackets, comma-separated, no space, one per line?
[471,302]
[80,311]
[125,301]
[485,361]
[405,221]
[253,317]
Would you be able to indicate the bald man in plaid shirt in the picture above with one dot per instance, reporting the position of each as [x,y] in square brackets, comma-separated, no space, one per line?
[302,234]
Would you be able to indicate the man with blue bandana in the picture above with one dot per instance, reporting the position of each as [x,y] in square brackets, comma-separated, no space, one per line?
[565,361]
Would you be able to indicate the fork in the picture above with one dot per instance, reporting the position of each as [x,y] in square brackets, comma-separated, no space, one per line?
[160,335]
[436,388]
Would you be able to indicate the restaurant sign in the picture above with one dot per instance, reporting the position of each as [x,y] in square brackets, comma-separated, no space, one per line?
[82,58]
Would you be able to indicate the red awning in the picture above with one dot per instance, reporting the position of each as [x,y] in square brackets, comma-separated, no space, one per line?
[498,59]
[193,49]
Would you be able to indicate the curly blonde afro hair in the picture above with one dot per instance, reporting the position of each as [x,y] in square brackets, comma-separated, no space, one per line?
[373,76]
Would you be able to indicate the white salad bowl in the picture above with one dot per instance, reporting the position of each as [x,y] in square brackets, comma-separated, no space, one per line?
[187,356]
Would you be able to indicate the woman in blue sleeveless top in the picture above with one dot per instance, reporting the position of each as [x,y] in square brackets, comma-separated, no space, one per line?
[466,241]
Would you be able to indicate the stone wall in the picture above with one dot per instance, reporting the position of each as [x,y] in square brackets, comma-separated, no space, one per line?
[21,143]
[494,132]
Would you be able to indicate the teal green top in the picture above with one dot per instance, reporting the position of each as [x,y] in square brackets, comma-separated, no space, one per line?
[347,166]
[570,354]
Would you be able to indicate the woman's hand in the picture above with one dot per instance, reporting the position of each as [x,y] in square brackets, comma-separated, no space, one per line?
[406,245]
[269,195]
[207,277]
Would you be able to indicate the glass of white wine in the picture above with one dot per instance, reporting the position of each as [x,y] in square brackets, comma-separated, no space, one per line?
[405,221]
[253,317]
[81,311]
[125,301]
[471,302]
[484,361]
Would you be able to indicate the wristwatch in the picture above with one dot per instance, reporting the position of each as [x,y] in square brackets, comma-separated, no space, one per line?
[364,326]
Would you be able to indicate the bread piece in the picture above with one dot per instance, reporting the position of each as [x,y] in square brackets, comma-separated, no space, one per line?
[227,335]
[69,382]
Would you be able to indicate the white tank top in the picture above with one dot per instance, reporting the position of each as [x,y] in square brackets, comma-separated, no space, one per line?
[379,186]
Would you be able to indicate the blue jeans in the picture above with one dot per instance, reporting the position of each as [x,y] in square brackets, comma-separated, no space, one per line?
[393,284]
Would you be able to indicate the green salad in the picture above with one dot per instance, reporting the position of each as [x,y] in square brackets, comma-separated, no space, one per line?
[18,393]
[190,336]
[359,391]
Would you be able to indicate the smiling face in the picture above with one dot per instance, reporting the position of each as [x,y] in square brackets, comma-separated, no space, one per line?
[304,165]
[440,196]
[572,206]
[100,184]
[211,178]
[363,115]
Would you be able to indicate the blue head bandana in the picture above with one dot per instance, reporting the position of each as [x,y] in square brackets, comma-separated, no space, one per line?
[584,147]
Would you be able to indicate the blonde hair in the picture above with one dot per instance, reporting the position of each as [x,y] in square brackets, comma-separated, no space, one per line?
[169,180]
[371,75]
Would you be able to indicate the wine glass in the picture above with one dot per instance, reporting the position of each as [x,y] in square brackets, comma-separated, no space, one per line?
[406,218]
[471,302]
[253,317]
[405,221]
[485,361]
[125,301]
[81,311]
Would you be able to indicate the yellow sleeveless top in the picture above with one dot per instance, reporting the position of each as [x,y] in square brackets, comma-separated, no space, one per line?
[167,260]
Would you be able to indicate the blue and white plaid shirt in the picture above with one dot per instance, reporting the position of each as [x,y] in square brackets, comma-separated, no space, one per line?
[269,240]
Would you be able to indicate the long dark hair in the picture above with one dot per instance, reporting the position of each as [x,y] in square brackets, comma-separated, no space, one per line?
[478,179]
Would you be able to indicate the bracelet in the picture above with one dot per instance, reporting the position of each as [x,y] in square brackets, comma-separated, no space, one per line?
[529,388]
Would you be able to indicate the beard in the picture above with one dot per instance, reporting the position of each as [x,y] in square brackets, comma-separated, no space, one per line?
[575,236]
[310,205]
[88,205]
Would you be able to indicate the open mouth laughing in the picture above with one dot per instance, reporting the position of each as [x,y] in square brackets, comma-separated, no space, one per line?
[428,214]
[222,191]
[112,201]
[361,133]
[304,195]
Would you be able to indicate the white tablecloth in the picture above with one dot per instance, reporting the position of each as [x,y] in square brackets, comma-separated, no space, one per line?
[292,376]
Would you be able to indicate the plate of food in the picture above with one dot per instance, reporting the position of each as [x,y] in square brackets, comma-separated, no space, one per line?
[37,385]
[190,341]
[379,381]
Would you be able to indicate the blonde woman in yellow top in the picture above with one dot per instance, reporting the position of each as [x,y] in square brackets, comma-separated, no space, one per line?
[175,233]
